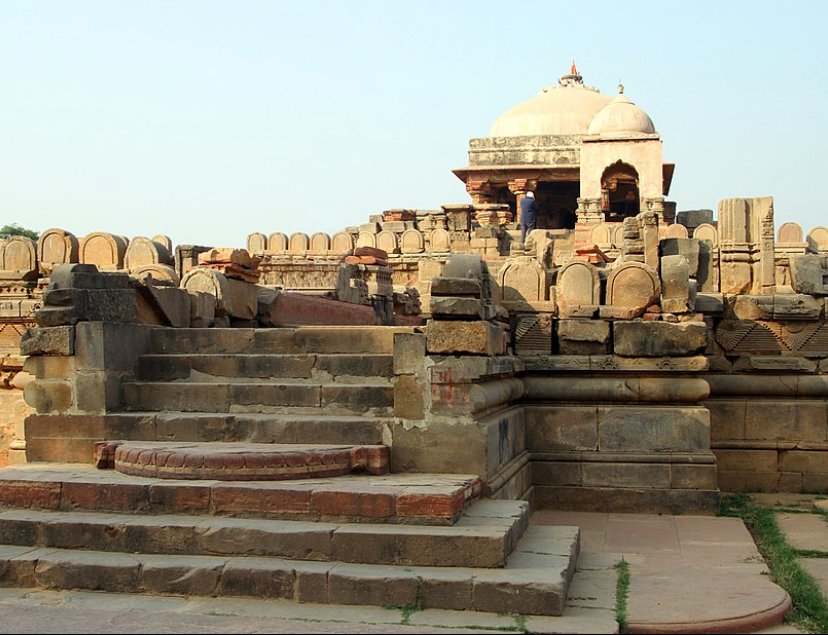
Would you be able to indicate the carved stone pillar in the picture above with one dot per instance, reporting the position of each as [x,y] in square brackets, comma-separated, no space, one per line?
[655,205]
[480,191]
[589,211]
[520,187]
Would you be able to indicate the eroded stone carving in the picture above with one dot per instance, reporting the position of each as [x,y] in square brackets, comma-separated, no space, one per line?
[631,288]
[578,289]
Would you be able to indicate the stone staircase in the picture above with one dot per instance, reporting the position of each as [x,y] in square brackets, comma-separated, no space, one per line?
[251,462]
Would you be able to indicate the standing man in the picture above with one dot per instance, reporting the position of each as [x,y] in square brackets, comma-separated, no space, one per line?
[528,215]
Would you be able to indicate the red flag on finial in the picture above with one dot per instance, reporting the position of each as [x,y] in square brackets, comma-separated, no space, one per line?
[573,70]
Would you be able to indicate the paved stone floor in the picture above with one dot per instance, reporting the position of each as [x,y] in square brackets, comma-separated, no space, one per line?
[677,564]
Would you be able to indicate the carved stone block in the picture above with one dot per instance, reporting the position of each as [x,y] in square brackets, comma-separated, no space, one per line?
[657,339]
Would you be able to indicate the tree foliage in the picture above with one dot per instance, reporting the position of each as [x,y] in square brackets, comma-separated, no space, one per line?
[7,231]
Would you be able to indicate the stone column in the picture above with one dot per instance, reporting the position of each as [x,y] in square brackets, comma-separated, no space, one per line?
[589,211]
[520,187]
[480,191]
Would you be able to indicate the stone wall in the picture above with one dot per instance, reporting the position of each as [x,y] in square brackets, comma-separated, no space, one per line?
[770,431]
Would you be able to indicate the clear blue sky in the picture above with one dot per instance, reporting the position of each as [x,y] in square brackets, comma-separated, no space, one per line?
[209,120]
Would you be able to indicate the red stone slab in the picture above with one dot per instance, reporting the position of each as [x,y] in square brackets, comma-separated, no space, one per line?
[247,461]
[431,499]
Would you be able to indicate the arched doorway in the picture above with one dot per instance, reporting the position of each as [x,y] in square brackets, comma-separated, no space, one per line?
[620,196]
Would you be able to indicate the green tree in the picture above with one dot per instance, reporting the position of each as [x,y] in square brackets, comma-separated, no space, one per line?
[7,231]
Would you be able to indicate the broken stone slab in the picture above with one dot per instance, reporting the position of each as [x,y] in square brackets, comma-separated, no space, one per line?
[776,307]
[657,339]
[239,257]
[456,336]
[687,247]
[83,276]
[59,340]
[455,286]
[454,307]
[266,305]
[809,273]
[92,305]
[710,303]
[172,303]
[675,284]
[692,218]
[583,337]
[234,298]
[772,363]
[202,309]
[297,309]
[463,266]
[619,313]
[579,311]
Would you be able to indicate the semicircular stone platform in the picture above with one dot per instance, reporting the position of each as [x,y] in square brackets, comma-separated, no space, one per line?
[245,461]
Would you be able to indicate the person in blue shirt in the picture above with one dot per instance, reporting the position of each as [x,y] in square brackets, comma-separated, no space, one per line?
[528,215]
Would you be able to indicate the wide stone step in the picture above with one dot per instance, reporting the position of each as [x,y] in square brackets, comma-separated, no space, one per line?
[71,438]
[484,537]
[533,582]
[311,339]
[239,461]
[426,499]
[333,367]
[195,396]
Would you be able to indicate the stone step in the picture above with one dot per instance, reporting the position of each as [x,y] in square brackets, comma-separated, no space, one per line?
[229,396]
[330,367]
[240,461]
[484,537]
[71,438]
[533,582]
[406,498]
[300,340]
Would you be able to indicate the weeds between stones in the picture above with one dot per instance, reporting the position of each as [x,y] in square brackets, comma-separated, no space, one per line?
[810,609]
[622,591]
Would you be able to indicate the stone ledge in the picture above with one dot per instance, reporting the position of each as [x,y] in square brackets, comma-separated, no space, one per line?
[616,363]
[245,461]
[436,499]
[482,538]
[530,584]
[679,458]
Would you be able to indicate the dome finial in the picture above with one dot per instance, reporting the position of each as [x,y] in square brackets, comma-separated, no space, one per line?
[573,78]
[620,88]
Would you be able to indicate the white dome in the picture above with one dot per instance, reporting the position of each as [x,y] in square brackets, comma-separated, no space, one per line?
[566,109]
[621,117]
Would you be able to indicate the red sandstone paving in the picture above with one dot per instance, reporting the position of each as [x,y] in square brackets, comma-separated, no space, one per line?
[804,531]
[699,570]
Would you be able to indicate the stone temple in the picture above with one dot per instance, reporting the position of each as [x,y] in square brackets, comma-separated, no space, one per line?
[374,414]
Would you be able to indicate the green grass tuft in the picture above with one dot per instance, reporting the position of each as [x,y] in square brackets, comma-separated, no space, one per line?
[622,592]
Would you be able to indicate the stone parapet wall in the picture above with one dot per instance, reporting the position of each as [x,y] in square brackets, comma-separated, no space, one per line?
[554,150]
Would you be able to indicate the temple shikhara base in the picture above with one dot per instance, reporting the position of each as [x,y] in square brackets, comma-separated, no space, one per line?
[372,416]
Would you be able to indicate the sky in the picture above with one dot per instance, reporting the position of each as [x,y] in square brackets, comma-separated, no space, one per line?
[209,120]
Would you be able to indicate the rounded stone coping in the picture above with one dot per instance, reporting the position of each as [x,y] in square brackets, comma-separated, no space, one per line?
[246,461]
[747,622]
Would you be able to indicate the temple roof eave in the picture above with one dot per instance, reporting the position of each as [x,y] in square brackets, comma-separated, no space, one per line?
[503,173]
